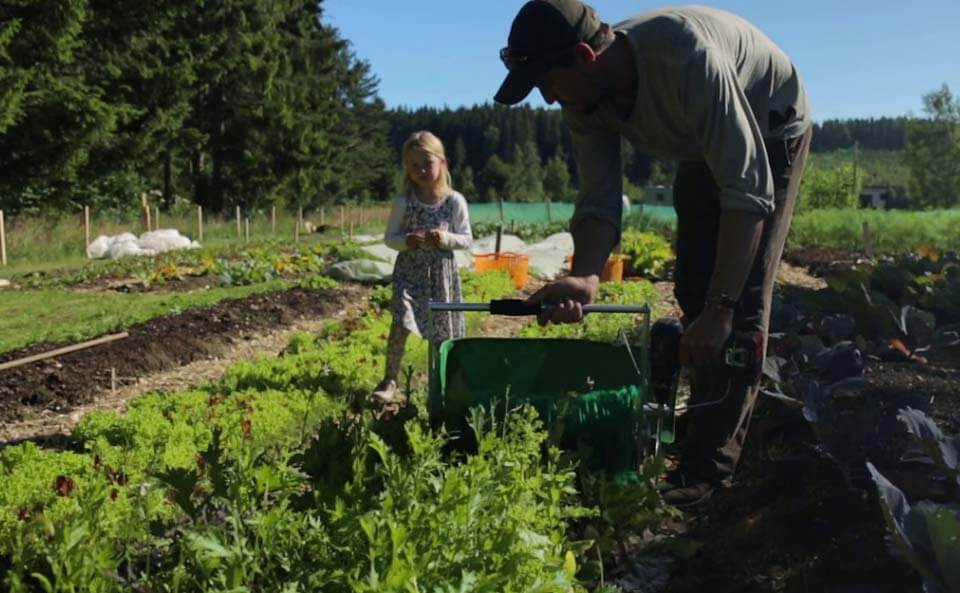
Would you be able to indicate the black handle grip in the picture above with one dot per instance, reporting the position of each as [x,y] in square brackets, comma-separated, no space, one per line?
[513,308]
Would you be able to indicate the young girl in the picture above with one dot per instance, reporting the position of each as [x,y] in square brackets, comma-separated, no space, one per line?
[426,224]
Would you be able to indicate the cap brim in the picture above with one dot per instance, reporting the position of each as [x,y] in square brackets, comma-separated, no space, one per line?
[516,86]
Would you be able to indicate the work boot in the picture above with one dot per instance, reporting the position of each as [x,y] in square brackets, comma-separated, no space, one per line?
[387,393]
[682,491]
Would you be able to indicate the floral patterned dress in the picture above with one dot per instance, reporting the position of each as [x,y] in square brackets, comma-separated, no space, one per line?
[430,273]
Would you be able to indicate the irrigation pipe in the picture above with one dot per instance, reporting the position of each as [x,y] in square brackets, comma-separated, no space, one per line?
[65,350]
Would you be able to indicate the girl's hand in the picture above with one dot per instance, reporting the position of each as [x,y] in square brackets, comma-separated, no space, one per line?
[415,240]
[434,237]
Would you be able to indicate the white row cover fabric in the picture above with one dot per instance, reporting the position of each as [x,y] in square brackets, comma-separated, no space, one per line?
[150,243]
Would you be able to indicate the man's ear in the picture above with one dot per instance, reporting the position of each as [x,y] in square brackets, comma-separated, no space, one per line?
[585,54]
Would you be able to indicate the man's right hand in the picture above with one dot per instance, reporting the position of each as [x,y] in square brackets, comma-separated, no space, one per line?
[415,240]
[565,299]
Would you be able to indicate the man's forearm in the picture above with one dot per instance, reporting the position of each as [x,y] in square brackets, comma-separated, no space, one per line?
[737,241]
[593,240]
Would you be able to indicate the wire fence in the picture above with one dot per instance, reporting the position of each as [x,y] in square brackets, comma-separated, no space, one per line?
[546,212]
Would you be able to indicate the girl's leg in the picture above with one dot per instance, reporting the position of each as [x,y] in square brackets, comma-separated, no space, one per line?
[396,344]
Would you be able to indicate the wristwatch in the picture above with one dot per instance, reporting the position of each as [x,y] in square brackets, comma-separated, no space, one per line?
[720,300]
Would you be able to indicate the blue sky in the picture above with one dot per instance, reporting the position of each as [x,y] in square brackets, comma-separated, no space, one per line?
[859,58]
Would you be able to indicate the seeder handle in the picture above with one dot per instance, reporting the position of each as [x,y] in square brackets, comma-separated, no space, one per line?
[513,308]
[518,308]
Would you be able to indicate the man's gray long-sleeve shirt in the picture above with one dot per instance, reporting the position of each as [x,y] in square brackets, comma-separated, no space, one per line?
[708,82]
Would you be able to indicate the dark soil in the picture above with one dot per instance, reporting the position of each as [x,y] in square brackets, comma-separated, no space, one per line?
[821,261]
[793,521]
[159,344]
[792,526]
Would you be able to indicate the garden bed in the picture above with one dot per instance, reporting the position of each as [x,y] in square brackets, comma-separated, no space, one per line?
[161,343]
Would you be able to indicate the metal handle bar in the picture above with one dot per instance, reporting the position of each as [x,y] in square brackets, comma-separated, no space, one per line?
[517,307]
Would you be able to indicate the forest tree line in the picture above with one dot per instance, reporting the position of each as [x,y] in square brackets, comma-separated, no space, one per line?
[254,103]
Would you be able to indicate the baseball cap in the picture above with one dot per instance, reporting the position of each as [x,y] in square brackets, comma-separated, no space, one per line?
[542,36]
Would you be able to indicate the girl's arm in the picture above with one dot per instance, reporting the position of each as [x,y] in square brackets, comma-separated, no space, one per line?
[395,236]
[459,235]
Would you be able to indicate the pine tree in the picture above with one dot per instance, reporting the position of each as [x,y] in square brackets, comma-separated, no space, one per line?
[556,179]
[53,114]
[933,151]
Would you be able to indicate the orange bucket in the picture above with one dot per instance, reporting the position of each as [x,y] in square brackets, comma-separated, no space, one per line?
[517,265]
[612,270]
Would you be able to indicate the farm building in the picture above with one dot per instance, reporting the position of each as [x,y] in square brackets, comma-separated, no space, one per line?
[883,197]
[658,195]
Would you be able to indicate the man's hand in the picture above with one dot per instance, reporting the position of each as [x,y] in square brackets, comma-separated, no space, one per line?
[703,341]
[565,299]
[415,240]
[434,237]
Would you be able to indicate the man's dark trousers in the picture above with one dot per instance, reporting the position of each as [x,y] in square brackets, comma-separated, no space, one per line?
[716,433]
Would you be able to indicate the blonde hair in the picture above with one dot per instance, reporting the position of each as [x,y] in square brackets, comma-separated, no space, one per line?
[429,144]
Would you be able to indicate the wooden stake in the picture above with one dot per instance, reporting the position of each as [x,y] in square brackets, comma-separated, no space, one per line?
[273,220]
[200,223]
[867,241]
[342,224]
[65,350]
[156,217]
[145,208]
[246,229]
[3,241]
[239,231]
[299,220]
[86,227]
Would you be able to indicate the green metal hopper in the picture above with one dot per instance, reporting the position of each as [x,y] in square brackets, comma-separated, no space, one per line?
[598,393]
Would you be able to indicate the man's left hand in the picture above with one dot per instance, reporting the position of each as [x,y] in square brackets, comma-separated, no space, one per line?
[703,341]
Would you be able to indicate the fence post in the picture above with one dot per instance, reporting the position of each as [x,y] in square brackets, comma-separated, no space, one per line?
[145,208]
[246,229]
[273,220]
[86,227]
[867,241]
[239,230]
[200,223]
[300,228]
[3,241]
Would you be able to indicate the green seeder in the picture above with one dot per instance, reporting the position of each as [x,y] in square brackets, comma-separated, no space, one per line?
[610,400]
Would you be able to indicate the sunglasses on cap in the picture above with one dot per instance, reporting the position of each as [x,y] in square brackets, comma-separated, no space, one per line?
[512,60]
